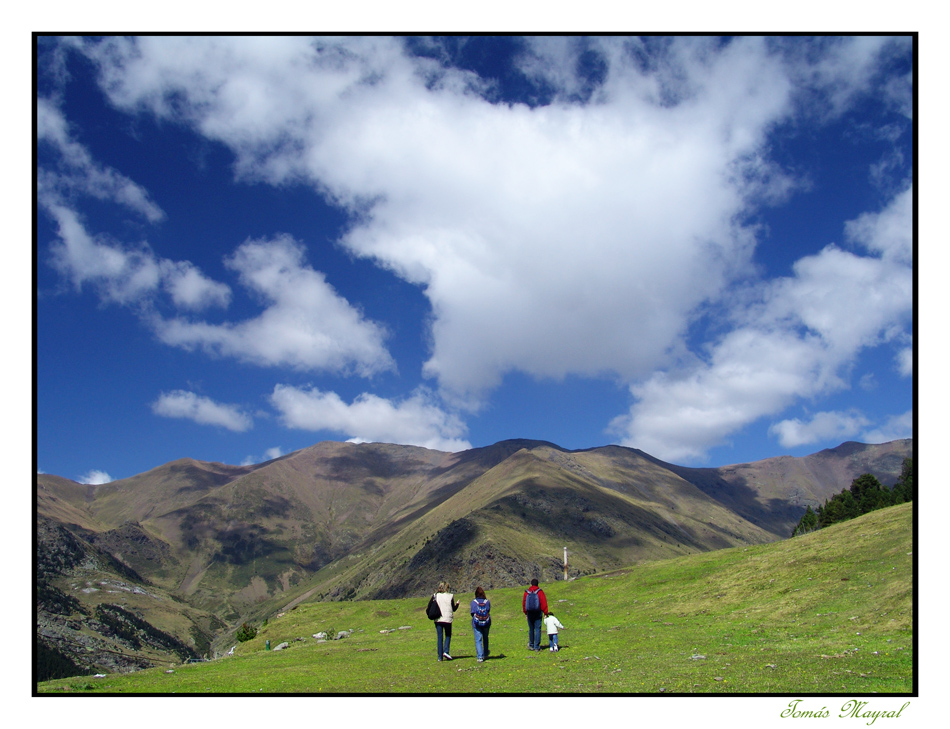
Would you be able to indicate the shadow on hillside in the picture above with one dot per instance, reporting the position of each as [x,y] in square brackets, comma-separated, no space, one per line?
[393,527]
[775,516]
[437,556]
[470,465]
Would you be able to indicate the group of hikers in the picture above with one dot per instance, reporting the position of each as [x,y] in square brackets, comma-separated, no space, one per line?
[534,604]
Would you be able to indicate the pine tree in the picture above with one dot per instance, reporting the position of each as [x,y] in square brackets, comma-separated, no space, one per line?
[808,522]
[868,493]
[833,511]
[905,489]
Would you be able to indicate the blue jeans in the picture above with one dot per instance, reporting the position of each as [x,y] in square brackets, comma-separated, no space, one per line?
[534,631]
[481,640]
[443,645]
[552,640]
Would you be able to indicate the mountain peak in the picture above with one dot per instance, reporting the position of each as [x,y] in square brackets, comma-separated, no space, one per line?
[519,443]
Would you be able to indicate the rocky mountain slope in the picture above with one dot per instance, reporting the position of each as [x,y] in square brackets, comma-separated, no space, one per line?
[94,613]
[191,548]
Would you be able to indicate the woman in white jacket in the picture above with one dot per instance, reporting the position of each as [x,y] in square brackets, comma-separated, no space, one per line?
[443,626]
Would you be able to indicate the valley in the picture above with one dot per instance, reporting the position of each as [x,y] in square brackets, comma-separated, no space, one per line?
[830,612]
[193,549]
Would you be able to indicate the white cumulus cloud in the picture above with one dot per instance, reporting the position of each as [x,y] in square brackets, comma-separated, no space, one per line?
[580,237]
[95,477]
[822,426]
[416,420]
[190,289]
[122,274]
[887,233]
[305,325]
[202,410]
[272,453]
[553,240]
[793,339]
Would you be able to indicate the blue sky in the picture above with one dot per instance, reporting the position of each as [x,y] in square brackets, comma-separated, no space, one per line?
[699,247]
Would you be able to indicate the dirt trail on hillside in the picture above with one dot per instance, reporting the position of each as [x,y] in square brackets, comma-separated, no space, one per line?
[297,601]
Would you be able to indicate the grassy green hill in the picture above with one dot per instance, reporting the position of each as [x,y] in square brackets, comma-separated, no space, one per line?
[829,612]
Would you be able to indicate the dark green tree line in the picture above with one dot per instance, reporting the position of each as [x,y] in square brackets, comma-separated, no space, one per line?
[865,494]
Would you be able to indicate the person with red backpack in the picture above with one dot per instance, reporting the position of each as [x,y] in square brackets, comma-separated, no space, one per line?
[481,622]
[534,605]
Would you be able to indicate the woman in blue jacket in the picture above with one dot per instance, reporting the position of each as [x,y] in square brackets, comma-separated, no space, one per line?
[481,622]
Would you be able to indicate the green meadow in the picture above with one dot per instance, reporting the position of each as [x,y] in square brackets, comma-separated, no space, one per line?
[830,612]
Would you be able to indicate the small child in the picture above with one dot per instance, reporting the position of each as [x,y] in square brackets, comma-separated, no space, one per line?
[552,624]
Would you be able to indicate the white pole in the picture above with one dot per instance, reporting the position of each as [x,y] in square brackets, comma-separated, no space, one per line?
[565,564]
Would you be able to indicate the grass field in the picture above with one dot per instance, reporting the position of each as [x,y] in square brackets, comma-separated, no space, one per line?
[827,613]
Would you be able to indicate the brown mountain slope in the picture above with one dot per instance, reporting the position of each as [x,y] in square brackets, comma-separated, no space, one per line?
[610,508]
[241,535]
[66,501]
[163,489]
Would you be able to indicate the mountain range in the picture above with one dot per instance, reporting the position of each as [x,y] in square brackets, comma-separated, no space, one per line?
[165,565]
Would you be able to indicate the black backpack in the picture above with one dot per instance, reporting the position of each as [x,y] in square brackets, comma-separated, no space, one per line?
[433,611]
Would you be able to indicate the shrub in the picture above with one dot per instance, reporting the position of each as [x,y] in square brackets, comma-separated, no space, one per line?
[246,632]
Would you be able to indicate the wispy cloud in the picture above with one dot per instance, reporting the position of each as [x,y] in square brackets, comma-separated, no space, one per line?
[202,410]
[122,274]
[79,173]
[896,427]
[905,362]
